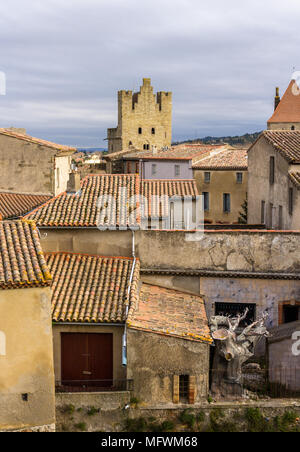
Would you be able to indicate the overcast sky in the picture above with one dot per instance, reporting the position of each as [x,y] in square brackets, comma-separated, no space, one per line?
[65,60]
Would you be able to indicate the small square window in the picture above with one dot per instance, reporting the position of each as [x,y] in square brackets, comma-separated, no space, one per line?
[206,178]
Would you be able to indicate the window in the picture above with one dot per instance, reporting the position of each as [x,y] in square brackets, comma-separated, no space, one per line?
[226,202]
[146,147]
[206,178]
[205,195]
[184,387]
[128,168]
[239,178]
[290,313]
[177,170]
[153,131]
[140,131]
[280,217]
[153,169]
[130,143]
[233,309]
[263,212]
[272,170]
[137,169]
[293,128]
[291,200]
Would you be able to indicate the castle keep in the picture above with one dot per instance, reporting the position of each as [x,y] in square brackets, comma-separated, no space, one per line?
[144,119]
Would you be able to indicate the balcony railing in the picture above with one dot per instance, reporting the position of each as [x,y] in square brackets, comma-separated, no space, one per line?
[93,385]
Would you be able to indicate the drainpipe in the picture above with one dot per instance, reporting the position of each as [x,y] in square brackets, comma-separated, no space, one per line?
[124,340]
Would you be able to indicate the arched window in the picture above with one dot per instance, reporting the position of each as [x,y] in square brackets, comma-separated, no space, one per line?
[2,344]
[130,143]
[293,128]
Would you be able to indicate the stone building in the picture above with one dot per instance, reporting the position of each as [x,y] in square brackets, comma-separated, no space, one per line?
[287,110]
[144,120]
[26,351]
[274,180]
[31,165]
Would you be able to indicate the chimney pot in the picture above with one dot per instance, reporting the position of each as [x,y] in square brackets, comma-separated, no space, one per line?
[73,183]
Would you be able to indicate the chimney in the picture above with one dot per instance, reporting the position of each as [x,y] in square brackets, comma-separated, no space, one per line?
[277,99]
[73,183]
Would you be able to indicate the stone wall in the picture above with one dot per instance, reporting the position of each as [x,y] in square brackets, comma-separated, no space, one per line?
[154,359]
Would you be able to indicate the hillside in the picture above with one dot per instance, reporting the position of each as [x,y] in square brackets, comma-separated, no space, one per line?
[243,140]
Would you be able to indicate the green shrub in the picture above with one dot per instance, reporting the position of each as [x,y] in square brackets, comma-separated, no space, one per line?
[187,418]
[92,411]
[80,426]
[136,425]
[69,409]
[167,426]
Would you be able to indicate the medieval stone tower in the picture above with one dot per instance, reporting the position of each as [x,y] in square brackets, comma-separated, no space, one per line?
[144,120]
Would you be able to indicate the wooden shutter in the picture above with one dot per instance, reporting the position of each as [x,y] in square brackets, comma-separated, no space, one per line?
[192,389]
[175,388]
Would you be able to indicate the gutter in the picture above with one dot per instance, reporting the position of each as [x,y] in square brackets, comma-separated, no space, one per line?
[124,339]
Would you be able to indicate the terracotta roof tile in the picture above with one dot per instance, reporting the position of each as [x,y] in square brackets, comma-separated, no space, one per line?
[157,194]
[295,178]
[89,288]
[82,210]
[172,313]
[288,109]
[180,152]
[286,142]
[226,159]
[22,262]
[14,205]
[24,137]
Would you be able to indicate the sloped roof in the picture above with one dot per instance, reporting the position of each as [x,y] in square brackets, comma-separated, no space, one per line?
[82,209]
[180,152]
[171,313]
[227,159]
[286,142]
[157,192]
[18,204]
[288,109]
[295,178]
[22,262]
[25,137]
[90,288]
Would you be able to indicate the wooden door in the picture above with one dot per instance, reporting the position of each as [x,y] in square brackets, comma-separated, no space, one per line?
[87,357]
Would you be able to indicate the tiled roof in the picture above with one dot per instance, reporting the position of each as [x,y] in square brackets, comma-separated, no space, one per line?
[288,109]
[22,262]
[223,159]
[82,209]
[14,205]
[286,142]
[180,152]
[295,178]
[90,288]
[171,313]
[24,137]
[151,189]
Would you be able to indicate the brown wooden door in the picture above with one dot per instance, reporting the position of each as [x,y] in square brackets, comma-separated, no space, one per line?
[87,357]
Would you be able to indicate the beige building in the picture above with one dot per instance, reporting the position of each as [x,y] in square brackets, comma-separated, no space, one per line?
[144,120]
[274,180]
[31,165]
[287,110]
[221,177]
[26,352]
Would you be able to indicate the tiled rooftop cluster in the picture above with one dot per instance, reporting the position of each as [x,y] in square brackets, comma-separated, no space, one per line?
[22,263]
[89,288]
[14,205]
[172,313]
[180,152]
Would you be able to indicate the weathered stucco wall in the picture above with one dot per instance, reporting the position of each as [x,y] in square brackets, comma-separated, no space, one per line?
[246,251]
[119,372]
[26,361]
[151,364]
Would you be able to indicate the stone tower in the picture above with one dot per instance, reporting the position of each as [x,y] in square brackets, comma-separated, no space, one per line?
[144,120]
